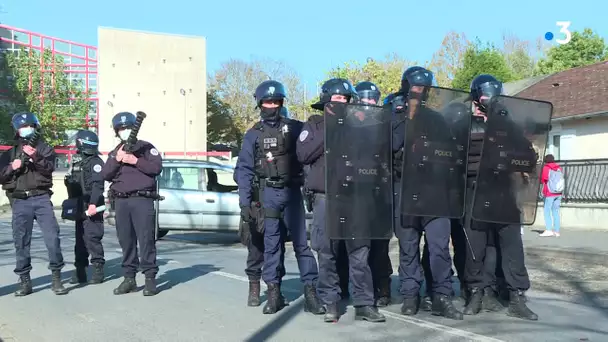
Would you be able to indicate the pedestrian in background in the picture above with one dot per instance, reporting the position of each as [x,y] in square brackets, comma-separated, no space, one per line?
[553,186]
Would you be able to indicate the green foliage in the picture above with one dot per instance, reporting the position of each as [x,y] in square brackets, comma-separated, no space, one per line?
[38,83]
[385,74]
[583,49]
[220,125]
[480,59]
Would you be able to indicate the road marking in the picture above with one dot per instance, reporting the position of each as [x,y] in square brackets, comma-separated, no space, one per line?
[415,321]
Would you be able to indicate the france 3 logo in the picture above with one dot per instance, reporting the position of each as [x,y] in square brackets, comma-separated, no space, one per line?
[564,29]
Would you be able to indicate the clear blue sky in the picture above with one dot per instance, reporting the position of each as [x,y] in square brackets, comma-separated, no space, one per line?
[311,36]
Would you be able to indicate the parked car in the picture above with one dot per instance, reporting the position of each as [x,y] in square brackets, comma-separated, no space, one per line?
[199,196]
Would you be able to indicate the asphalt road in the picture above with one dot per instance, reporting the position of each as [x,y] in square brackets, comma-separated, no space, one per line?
[204,295]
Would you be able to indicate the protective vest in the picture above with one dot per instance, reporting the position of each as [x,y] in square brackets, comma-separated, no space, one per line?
[74,181]
[273,153]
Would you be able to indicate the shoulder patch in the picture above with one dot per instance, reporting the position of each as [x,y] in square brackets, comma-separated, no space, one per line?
[303,135]
[154,152]
[97,168]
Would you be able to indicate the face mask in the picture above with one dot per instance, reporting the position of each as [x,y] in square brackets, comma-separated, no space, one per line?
[270,113]
[26,131]
[124,134]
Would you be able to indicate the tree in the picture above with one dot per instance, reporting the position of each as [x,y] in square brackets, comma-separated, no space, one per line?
[220,125]
[518,56]
[449,58]
[235,83]
[386,74]
[583,49]
[36,82]
[479,59]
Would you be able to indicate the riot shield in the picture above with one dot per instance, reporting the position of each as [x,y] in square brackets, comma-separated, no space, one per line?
[508,182]
[358,175]
[436,145]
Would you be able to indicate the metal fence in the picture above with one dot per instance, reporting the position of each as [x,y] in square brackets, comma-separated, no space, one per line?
[586,181]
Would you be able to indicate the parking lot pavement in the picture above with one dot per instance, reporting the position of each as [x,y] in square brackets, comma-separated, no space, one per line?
[204,295]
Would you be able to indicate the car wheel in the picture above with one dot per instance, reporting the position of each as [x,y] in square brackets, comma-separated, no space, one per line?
[161,234]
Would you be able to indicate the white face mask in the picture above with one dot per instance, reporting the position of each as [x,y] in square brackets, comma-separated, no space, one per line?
[124,134]
[26,131]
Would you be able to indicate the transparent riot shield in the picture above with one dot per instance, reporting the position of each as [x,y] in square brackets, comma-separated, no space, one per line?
[436,145]
[358,174]
[508,182]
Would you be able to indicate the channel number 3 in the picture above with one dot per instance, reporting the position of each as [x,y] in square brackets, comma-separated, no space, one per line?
[564,25]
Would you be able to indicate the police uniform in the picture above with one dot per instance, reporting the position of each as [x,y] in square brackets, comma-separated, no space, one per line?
[507,237]
[85,188]
[311,151]
[29,191]
[252,237]
[379,260]
[436,231]
[268,155]
[133,191]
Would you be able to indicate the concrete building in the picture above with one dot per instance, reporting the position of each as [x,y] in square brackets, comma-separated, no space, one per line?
[162,75]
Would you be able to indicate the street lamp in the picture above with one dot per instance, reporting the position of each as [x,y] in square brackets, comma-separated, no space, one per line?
[183,92]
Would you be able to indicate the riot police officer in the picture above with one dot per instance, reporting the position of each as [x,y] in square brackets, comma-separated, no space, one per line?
[85,190]
[379,260]
[311,151]
[436,230]
[27,177]
[132,168]
[267,160]
[507,238]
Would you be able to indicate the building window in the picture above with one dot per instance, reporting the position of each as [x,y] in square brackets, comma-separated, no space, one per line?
[556,142]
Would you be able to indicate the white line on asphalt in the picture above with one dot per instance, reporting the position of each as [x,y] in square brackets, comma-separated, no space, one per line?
[415,321]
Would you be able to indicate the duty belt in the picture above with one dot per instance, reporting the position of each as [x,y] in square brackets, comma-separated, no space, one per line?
[140,193]
[20,194]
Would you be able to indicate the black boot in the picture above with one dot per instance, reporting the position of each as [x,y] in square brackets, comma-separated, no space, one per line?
[150,287]
[56,284]
[489,301]
[426,304]
[473,307]
[410,306]
[384,294]
[443,306]
[518,307]
[25,286]
[332,315]
[465,293]
[275,300]
[98,276]
[369,313]
[79,276]
[128,285]
[311,301]
[253,299]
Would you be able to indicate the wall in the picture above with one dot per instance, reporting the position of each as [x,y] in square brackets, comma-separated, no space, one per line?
[581,138]
[142,71]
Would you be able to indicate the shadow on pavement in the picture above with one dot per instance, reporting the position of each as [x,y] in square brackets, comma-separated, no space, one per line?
[170,278]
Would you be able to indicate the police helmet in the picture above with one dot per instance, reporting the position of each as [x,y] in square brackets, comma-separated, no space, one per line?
[123,120]
[487,86]
[368,90]
[21,120]
[87,142]
[334,86]
[416,76]
[395,100]
[285,113]
[269,90]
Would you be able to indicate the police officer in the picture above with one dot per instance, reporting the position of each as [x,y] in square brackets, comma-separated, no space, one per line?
[27,177]
[132,168]
[252,237]
[436,230]
[379,260]
[86,186]
[268,156]
[311,151]
[508,237]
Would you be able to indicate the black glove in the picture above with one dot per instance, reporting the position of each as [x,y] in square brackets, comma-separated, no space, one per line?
[246,214]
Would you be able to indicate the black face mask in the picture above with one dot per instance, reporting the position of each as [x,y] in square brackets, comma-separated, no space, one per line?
[270,113]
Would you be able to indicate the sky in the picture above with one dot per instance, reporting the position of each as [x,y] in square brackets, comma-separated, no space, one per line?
[310,36]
